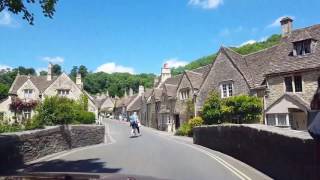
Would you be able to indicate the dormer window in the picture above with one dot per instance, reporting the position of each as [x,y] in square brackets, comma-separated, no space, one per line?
[302,48]
[27,93]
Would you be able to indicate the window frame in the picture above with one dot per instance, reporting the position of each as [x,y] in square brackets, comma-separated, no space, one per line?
[293,83]
[27,93]
[276,118]
[63,92]
[303,46]
[225,88]
[27,113]
[184,93]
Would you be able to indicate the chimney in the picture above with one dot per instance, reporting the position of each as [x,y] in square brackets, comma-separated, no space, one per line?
[107,93]
[141,90]
[49,75]
[78,80]
[125,93]
[165,72]
[130,92]
[286,25]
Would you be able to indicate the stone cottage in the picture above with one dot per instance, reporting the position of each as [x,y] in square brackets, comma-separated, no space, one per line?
[293,76]
[30,90]
[286,76]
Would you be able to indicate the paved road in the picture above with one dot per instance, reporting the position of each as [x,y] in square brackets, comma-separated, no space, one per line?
[155,154]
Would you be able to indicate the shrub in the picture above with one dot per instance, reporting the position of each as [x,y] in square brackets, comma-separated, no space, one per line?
[33,123]
[60,110]
[235,109]
[184,130]
[196,121]
[242,109]
[5,127]
[211,112]
[84,117]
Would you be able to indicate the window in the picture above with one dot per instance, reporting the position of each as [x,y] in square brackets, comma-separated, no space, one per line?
[288,83]
[63,92]
[226,90]
[302,47]
[277,119]
[27,114]
[27,93]
[282,119]
[271,119]
[184,94]
[319,82]
[298,83]
[294,85]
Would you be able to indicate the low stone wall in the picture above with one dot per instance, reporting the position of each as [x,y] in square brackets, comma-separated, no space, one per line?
[279,153]
[21,147]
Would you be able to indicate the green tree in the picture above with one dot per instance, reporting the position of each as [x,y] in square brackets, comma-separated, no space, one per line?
[83,71]
[3,91]
[19,7]
[43,73]
[56,70]
[73,73]
[211,111]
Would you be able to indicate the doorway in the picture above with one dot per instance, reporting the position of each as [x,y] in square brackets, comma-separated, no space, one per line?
[177,121]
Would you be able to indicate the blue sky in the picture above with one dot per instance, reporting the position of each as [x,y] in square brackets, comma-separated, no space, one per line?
[140,35]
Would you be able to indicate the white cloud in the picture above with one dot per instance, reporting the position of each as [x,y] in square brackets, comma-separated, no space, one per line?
[175,62]
[251,41]
[206,4]
[276,22]
[56,59]
[7,20]
[4,67]
[112,67]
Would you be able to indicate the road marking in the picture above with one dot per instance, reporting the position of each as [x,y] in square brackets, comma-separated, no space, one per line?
[225,164]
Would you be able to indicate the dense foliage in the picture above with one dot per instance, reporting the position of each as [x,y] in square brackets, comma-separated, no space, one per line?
[245,49]
[235,109]
[187,128]
[60,110]
[116,83]
[20,6]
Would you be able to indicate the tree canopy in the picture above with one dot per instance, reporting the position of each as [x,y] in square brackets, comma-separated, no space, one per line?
[19,7]
[56,70]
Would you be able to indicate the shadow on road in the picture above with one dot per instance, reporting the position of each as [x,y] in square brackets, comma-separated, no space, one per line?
[85,165]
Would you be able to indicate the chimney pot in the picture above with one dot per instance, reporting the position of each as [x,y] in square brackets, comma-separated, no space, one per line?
[286,25]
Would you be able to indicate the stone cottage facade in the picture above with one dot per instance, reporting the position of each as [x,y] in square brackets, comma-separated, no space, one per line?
[33,89]
[293,78]
[286,77]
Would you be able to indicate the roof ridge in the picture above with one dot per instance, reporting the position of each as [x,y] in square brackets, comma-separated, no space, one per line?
[305,28]
[194,72]
[260,50]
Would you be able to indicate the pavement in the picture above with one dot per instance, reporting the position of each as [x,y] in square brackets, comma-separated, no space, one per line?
[154,154]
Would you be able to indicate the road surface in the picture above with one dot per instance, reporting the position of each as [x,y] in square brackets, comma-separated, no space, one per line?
[154,153]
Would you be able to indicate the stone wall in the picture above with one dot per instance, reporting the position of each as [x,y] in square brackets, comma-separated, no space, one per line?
[277,88]
[21,147]
[279,153]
